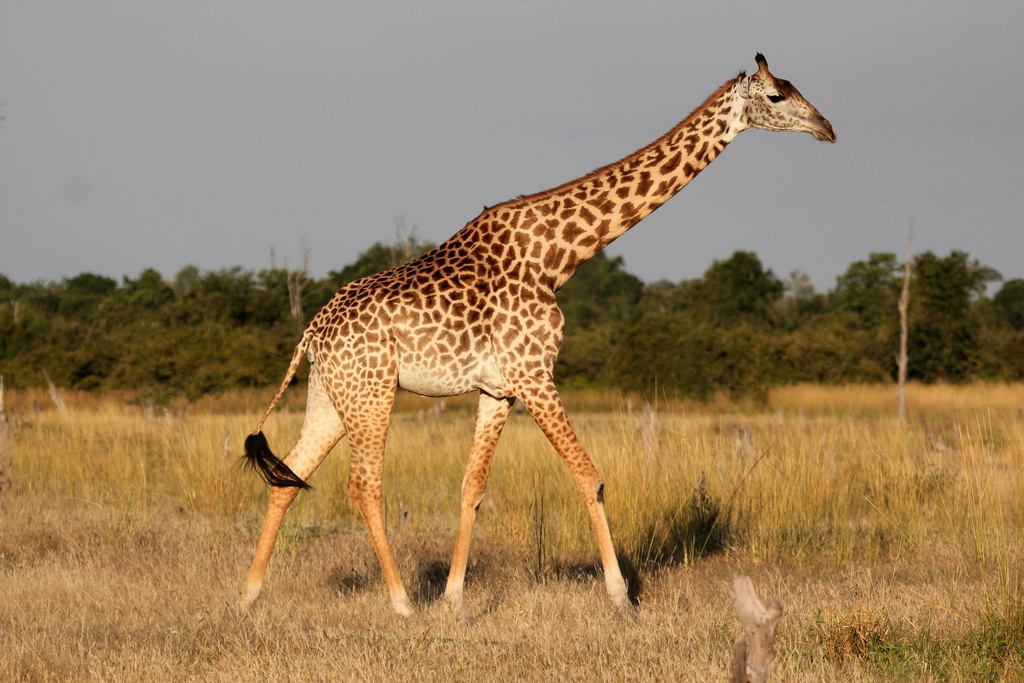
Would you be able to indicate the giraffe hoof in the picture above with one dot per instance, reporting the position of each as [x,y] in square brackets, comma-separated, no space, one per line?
[618,592]
[453,598]
[619,596]
[457,606]
[628,611]
[402,608]
[248,597]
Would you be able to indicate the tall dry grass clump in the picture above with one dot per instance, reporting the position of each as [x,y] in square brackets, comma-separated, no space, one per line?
[896,548]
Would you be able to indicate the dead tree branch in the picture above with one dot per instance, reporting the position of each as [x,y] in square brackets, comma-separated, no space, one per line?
[901,360]
[55,395]
[5,470]
[297,282]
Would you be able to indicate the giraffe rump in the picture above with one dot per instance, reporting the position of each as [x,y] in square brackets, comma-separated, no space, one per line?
[260,458]
[258,455]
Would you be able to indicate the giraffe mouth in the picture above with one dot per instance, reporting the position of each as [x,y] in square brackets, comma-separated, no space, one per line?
[823,131]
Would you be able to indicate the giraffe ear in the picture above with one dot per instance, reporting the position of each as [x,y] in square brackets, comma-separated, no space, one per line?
[743,86]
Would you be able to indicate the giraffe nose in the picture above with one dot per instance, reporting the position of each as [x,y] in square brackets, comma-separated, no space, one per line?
[824,131]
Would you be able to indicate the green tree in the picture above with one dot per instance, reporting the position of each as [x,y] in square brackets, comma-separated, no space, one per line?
[237,297]
[866,294]
[733,292]
[88,283]
[943,339]
[1009,302]
[596,301]
[185,281]
[601,291]
[801,303]
[149,290]
[79,297]
[378,258]
[666,352]
[703,336]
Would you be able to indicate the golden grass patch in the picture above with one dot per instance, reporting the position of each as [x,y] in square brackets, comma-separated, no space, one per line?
[896,548]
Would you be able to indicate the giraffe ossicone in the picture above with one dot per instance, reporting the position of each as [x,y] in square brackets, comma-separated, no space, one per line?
[478,313]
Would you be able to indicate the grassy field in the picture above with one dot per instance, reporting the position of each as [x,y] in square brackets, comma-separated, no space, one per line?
[127,530]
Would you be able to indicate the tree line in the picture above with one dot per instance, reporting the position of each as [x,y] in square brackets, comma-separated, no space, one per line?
[738,329]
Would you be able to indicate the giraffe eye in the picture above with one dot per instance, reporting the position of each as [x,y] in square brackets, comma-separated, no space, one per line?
[776,98]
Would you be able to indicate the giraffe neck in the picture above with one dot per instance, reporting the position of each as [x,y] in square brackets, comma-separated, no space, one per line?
[556,231]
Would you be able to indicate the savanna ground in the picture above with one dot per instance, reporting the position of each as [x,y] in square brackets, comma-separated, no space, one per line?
[126,533]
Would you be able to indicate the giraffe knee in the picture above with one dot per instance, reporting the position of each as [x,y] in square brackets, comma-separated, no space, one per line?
[282,496]
[472,493]
[591,487]
[355,489]
[364,491]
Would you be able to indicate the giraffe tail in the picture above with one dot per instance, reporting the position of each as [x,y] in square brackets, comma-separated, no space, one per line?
[258,455]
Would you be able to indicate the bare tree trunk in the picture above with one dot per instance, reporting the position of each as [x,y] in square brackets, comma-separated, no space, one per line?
[5,470]
[55,395]
[296,283]
[405,243]
[901,360]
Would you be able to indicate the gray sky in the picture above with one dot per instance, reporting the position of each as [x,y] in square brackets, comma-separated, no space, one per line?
[161,134]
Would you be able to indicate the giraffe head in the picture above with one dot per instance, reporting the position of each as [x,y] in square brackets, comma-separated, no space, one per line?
[771,103]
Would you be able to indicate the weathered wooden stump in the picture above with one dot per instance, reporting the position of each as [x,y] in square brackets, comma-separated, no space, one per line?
[754,652]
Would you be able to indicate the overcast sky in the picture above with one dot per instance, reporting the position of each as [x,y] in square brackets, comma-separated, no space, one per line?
[162,134]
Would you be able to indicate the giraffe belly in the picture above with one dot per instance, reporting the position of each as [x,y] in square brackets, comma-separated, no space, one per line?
[481,375]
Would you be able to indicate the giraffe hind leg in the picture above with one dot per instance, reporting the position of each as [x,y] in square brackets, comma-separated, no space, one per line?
[321,430]
[280,500]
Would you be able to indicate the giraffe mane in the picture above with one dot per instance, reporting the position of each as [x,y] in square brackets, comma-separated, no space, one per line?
[604,169]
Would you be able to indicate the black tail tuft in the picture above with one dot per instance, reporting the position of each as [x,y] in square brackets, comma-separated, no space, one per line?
[259,457]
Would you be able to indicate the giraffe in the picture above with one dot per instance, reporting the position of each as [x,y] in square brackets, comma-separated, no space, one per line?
[478,313]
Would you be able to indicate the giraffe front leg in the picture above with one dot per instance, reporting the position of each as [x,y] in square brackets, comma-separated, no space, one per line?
[544,404]
[490,418]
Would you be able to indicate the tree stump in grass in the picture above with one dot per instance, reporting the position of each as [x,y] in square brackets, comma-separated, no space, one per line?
[754,652]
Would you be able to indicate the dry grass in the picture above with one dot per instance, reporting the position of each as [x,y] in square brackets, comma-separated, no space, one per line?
[896,549]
